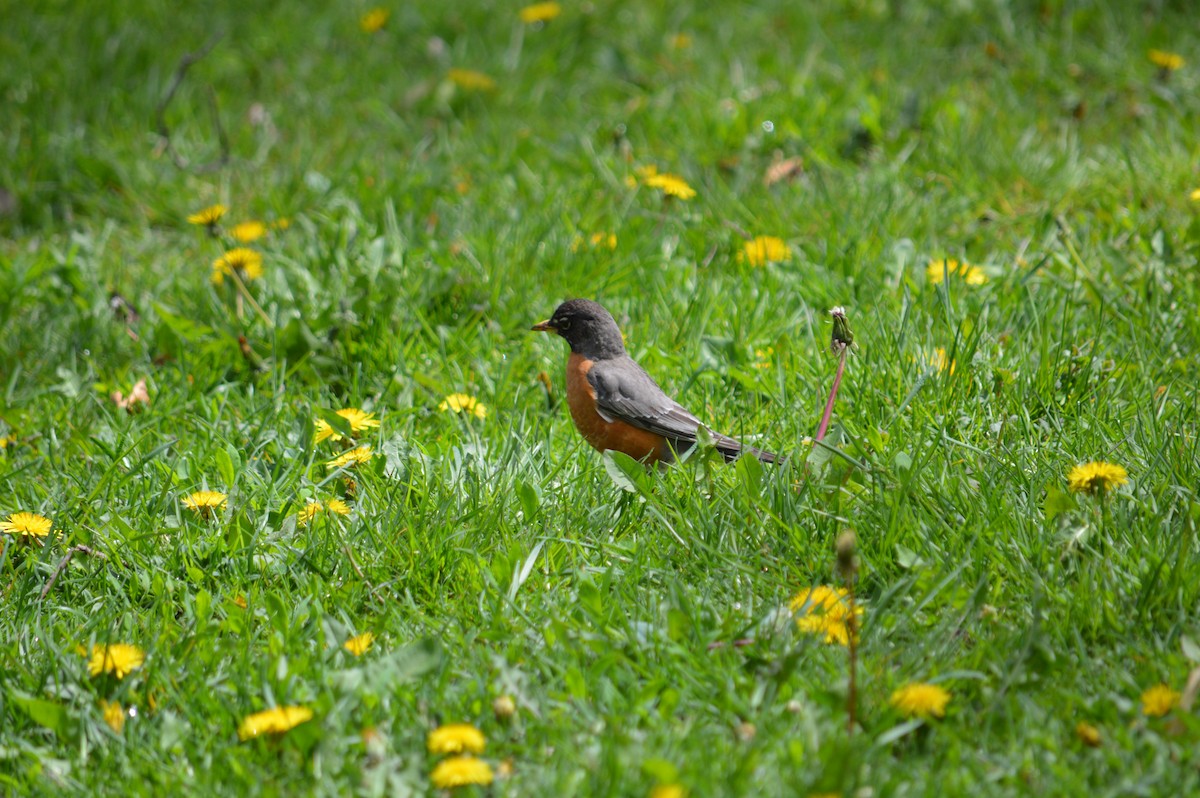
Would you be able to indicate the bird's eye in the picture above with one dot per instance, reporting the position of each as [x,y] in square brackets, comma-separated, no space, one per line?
[562,325]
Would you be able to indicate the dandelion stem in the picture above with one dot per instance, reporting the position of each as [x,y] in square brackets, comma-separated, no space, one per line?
[837,381]
[62,564]
[847,566]
[852,636]
[242,292]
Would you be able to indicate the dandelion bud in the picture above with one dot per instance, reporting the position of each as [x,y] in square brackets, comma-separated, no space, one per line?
[842,337]
[846,560]
[504,707]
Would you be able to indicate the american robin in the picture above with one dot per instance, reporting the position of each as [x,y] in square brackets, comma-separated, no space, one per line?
[614,403]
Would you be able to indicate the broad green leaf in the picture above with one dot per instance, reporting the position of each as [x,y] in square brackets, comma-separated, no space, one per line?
[47,714]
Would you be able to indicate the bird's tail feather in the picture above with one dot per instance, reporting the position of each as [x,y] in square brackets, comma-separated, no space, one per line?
[731,449]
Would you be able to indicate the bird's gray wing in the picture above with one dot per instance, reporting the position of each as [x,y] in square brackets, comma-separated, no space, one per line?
[625,392]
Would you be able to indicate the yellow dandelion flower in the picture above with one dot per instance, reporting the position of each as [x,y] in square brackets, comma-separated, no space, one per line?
[459,771]
[359,644]
[463,403]
[1194,196]
[374,20]
[540,12]
[595,241]
[11,440]
[921,700]
[1165,60]
[974,276]
[832,630]
[353,457]
[763,250]
[1096,477]
[471,80]
[357,419]
[276,720]
[208,216]
[310,511]
[114,716]
[668,791]
[764,357]
[938,269]
[824,610]
[941,361]
[281,224]
[456,738]
[27,525]
[205,502]
[338,507]
[119,659]
[824,600]
[246,232]
[1087,734]
[1159,700]
[240,600]
[680,41]
[670,185]
[244,261]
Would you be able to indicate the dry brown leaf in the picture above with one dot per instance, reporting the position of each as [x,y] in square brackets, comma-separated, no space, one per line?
[783,169]
[137,397]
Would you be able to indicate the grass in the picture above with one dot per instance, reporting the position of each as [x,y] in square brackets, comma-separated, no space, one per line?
[636,620]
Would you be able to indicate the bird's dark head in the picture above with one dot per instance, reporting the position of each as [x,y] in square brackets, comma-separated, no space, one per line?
[588,328]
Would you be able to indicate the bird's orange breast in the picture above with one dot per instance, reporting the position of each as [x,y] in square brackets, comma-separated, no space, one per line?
[602,434]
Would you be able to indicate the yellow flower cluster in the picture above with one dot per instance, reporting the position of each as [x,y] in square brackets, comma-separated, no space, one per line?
[243,262]
[463,403]
[670,185]
[239,262]
[374,20]
[359,644]
[937,271]
[921,700]
[461,771]
[764,357]
[824,610]
[248,232]
[761,250]
[471,80]
[595,241]
[27,525]
[1096,477]
[1166,61]
[1088,734]
[668,791]
[315,508]
[540,12]
[357,419]
[276,720]
[114,715]
[941,361]
[461,739]
[1159,700]
[208,217]
[205,502]
[356,456]
[119,659]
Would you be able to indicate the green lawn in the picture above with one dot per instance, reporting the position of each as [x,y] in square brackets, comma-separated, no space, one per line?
[418,220]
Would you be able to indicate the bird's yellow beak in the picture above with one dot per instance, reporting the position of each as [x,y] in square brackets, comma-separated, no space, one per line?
[543,326]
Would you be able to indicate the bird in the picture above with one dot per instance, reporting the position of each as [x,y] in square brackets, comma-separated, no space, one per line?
[615,404]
